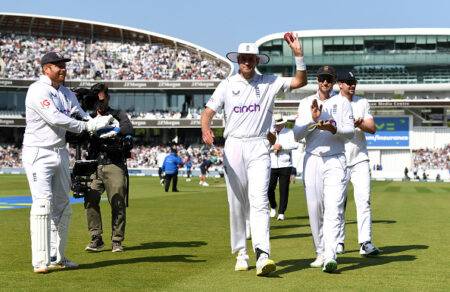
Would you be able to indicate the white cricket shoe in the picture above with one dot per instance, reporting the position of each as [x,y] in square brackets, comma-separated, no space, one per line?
[64,264]
[188,179]
[280,217]
[200,183]
[264,265]
[161,181]
[329,266]
[273,213]
[340,248]
[205,184]
[318,263]
[368,249]
[241,261]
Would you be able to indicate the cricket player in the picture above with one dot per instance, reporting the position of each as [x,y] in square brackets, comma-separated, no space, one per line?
[45,158]
[358,169]
[325,122]
[247,99]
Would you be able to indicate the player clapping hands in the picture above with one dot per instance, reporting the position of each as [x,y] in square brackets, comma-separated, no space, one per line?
[328,125]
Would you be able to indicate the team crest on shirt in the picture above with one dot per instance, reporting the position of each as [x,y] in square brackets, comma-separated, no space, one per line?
[45,103]
[334,110]
[236,92]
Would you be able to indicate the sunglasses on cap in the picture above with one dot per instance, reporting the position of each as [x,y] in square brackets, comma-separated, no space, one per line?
[323,78]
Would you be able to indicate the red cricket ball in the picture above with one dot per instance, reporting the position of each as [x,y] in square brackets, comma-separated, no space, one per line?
[289,37]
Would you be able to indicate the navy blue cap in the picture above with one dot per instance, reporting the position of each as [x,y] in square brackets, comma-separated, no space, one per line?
[346,76]
[326,70]
[53,57]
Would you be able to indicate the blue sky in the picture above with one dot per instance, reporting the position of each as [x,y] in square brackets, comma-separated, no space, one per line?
[221,25]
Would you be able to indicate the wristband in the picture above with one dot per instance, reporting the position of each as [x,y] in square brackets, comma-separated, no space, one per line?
[300,64]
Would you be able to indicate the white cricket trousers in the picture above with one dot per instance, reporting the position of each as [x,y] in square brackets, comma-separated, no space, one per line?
[324,181]
[47,170]
[359,175]
[247,174]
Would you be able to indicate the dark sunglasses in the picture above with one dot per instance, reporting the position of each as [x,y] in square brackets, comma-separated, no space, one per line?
[247,58]
[322,78]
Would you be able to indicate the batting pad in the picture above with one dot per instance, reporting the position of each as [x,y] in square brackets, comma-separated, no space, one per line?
[40,232]
[59,234]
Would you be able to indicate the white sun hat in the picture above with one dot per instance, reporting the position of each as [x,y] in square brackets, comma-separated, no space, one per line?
[279,120]
[248,48]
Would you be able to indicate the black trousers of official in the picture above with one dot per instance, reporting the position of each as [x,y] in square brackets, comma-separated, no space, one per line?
[171,177]
[283,175]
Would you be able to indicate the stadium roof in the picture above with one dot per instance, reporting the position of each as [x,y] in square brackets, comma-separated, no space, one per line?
[31,24]
[359,32]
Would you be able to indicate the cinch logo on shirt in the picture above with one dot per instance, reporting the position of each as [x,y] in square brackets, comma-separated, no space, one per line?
[247,109]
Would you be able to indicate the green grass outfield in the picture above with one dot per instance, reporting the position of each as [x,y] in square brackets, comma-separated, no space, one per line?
[180,241]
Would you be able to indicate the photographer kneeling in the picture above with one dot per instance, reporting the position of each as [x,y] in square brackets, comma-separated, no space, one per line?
[110,149]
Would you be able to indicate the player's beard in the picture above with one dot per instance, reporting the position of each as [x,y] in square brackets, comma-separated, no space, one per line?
[247,71]
[58,76]
[61,77]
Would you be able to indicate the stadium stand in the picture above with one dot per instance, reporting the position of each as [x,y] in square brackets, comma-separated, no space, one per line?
[106,60]
[426,158]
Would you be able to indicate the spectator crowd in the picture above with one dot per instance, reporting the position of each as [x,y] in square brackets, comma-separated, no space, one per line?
[141,156]
[426,158]
[107,60]
[146,156]
[10,156]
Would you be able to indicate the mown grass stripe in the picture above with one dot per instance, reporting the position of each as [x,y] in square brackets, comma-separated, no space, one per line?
[392,189]
[423,190]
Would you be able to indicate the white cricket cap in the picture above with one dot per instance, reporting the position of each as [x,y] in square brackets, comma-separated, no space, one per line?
[248,48]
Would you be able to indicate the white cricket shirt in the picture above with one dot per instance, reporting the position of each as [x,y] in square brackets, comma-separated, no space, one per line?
[356,148]
[48,113]
[160,158]
[284,158]
[322,142]
[247,104]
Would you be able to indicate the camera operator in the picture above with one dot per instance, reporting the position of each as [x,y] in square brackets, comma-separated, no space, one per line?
[110,149]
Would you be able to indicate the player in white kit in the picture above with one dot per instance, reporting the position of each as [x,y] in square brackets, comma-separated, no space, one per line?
[358,169]
[45,158]
[247,99]
[325,122]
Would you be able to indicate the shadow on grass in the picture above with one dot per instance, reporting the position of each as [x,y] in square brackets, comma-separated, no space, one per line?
[400,248]
[295,265]
[374,221]
[295,218]
[298,235]
[290,266]
[359,263]
[182,258]
[165,244]
[288,226]
[396,248]
[384,258]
